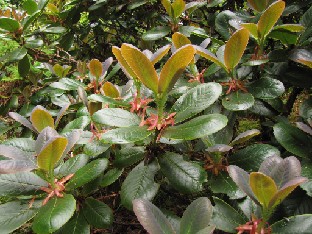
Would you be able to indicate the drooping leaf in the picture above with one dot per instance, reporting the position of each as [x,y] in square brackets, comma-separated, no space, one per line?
[151,218]
[235,47]
[125,135]
[51,153]
[87,173]
[238,101]
[196,100]
[139,184]
[196,128]
[186,177]
[174,67]
[263,187]
[141,66]
[116,117]
[197,216]
[293,139]
[270,17]
[54,214]
[9,24]
[97,213]
[41,118]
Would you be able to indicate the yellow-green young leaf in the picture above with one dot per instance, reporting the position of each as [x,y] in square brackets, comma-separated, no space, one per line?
[174,67]
[180,40]
[41,118]
[52,8]
[270,17]
[252,28]
[58,70]
[51,153]
[141,66]
[117,52]
[258,5]
[208,55]
[263,187]
[290,27]
[235,47]
[110,90]
[178,7]
[96,68]
[167,6]
[160,53]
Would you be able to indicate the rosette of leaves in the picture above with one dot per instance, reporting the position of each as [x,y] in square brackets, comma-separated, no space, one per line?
[37,171]
[267,188]
[196,218]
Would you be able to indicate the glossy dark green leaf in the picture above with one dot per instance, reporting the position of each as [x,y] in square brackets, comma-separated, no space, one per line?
[139,184]
[87,173]
[222,23]
[151,218]
[305,110]
[15,55]
[307,172]
[20,183]
[111,176]
[72,165]
[128,156]
[196,216]
[262,108]
[186,177]
[196,128]
[30,6]
[285,36]
[251,157]
[15,214]
[238,101]
[97,213]
[293,224]
[258,5]
[125,135]
[23,66]
[95,148]
[79,123]
[156,33]
[116,117]
[293,139]
[54,214]
[76,225]
[196,100]
[225,217]
[266,88]
[9,24]
[54,30]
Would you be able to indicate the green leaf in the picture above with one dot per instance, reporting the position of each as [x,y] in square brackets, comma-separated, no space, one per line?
[97,213]
[293,139]
[30,6]
[238,101]
[15,214]
[245,136]
[79,123]
[76,225]
[266,88]
[208,55]
[179,40]
[51,153]
[307,172]
[111,176]
[9,24]
[139,184]
[293,224]
[302,56]
[116,117]
[107,100]
[95,148]
[196,216]
[151,218]
[54,214]
[87,173]
[225,217]
[235,47]
[196,128]
[160,53]
[141,66]
[289,27]
[156,33]
[125,135]
[222,24]
[128,156]
[258,5]
[186,177]
[72,165]
[196,100]
[67,84]
[263,187]
[252,28]
[20,184]
[110,90]
[15,55]
[23,66]
[269,18]
[178,7]
[174,67]
[41,118]
[251,157]
[96,68]
[21,119]
[54,30]
[123,63]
